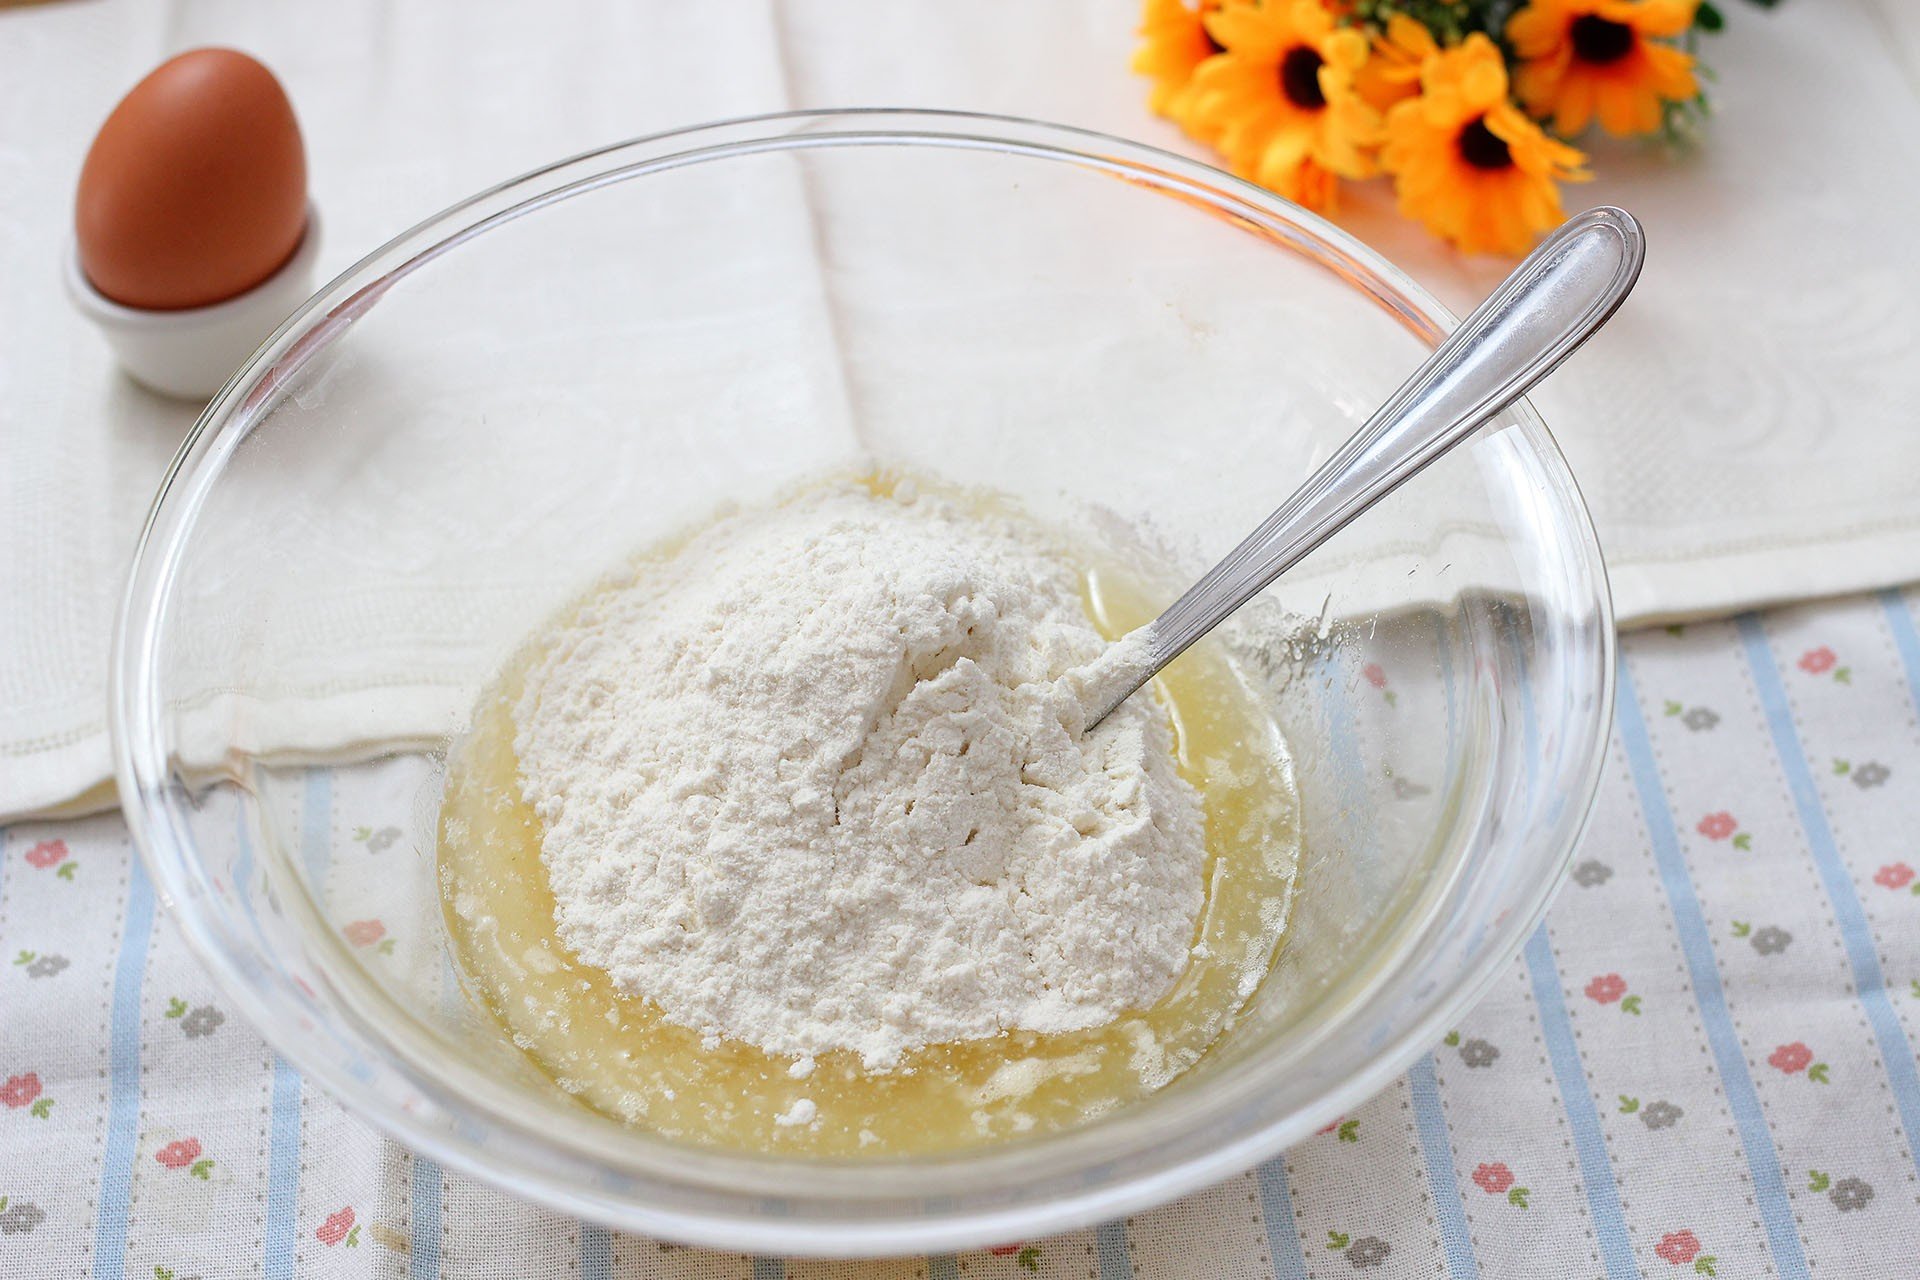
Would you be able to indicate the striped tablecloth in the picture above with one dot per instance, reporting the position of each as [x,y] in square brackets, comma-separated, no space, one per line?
[1702,1064]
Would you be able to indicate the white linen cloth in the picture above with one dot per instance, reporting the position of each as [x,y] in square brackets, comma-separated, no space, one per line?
[1740,431]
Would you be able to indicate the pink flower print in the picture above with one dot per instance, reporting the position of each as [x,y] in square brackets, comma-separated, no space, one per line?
[179,1153]
[1790,1057]
[1717,826]
[19,1091]
[1818,661]
[48,853]
[1493,1178]
[1003,1250]
[1376,675]
[1678,1247]
[1895,875]
[335,1228]
[364,933]
[1606,988]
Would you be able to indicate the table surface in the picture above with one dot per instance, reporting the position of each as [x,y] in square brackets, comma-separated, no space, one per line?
[1702,1064]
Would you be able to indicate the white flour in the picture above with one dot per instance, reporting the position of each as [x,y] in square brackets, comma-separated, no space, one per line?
[811,784]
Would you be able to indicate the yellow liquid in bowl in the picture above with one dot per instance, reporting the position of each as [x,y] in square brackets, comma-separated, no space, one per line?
[619,1055]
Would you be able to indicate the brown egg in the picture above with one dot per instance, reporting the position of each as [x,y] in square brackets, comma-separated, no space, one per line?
[195,189]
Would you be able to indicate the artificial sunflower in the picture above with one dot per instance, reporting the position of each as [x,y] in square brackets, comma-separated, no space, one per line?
[1174,42]
[1393,72]
[1467,162]
[1582,58]
[1281,99]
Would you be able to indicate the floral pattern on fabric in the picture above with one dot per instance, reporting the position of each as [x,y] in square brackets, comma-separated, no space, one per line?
[1481,1138]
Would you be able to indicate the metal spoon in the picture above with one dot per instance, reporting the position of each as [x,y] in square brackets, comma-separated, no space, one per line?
[1554,301]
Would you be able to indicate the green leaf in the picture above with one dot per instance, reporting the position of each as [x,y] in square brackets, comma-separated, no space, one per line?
[1840,766]
[41,1108]
[1704,1265]
[1392,700]
[1913,985]
[1817,1072]
[1743,841]
[1741,928]
[176,1007]
[1631,1005]
[25,957]
[1338,1240]
[353,1237]
[1029,1257]
[1517,1197]
[3,1203]
[67,870]
[1628,1105]
[1453,1037]
[1915,891]
[1349,1131]
[202,1169]
[1674,708]
[162,1273]
[1708,18]
[1675,629]
[1843,675]
[386,947]
[1817,1181]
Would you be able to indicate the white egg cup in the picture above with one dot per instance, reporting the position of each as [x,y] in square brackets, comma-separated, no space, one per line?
[192,352]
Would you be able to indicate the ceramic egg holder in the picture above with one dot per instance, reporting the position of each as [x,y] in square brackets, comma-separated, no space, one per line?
[190,353]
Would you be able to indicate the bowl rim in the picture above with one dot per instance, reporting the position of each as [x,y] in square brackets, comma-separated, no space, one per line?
[153,807]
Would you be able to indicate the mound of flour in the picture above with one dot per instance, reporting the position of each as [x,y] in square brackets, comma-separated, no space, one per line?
[815,783]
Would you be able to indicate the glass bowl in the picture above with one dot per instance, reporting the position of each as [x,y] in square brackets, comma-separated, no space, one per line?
[458,434]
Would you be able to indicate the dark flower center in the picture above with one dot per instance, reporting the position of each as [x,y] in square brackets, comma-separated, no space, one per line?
[1601,39]
[1482,148]
[1300,78]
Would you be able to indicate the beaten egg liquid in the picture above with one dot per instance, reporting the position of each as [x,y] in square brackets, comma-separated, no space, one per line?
[619,1055]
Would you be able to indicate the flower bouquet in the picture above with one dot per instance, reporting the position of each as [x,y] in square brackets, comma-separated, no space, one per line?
[1470,107]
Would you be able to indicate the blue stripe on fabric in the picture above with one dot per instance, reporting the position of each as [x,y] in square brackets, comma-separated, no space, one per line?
[1907,640]
[1710,997]
[1589,1145]
[942,1266]
[283,1136]
[1856,934]
[123,1057]
[316,831]
[283,1172]
[1430,1122]
[1110,1248]
[1423,1087]
[423,1235]
[769,1269]
[1570,1073]
[1283,1232]
[1449,1207]
[596,1252]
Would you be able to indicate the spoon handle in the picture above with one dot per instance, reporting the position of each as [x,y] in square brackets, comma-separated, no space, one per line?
[1554,300]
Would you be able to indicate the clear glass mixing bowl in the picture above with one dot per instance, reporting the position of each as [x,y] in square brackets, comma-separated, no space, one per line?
[461,432]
